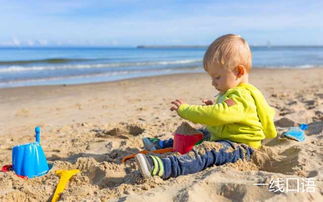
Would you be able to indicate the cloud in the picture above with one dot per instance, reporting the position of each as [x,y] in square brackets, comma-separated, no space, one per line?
[42,42]
[15,42]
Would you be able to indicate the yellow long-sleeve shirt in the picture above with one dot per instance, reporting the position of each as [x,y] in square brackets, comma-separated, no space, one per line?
[241,115]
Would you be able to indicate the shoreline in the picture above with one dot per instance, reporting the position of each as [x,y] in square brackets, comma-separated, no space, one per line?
[163,75]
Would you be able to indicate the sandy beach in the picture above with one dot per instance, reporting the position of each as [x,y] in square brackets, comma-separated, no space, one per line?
[91,127]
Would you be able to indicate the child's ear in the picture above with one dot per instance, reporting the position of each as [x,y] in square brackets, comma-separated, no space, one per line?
[240,71]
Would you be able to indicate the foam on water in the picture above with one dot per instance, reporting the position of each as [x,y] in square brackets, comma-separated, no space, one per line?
[86,66]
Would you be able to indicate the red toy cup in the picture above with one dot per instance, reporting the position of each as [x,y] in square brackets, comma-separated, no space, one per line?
[185,143]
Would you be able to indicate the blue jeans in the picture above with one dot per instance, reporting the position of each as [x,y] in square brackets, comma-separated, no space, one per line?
[200,158]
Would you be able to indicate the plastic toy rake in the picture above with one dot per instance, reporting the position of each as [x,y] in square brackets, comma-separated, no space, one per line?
[65,177]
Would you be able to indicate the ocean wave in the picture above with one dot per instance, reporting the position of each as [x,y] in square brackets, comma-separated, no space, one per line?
[88,78]
[49,61]
[86,66]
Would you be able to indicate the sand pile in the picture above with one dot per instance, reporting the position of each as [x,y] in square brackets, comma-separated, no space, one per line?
[186,129]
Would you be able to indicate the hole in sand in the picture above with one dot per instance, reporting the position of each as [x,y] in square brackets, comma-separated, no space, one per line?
[135,130]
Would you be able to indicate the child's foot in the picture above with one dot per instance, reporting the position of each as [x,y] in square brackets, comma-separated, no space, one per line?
[149,165]
[151,144]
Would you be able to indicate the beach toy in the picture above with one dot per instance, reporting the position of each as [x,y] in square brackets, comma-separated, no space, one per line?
[182,144]
[29,160]
[296,133]
[65,176]
[6,168]
[185,143]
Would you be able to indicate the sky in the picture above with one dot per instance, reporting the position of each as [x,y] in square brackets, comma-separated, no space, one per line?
[158,22]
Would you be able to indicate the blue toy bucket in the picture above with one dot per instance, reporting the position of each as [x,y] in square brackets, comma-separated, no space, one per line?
[29,159]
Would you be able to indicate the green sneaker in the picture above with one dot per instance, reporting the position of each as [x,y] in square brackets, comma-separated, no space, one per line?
[151,144]
[149,165]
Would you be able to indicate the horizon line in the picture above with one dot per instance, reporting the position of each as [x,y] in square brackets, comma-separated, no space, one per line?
[157,46]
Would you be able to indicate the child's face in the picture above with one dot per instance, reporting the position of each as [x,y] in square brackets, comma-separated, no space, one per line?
[223,79]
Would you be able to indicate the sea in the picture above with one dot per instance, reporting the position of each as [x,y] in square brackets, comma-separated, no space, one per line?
[26,66]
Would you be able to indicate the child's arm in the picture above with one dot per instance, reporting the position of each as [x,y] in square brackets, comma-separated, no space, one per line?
[176,103]
[230,111]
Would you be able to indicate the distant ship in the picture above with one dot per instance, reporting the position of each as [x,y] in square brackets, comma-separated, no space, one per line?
[171,46]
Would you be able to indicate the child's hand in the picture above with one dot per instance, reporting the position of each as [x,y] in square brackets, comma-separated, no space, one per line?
[207,102]
[176,104]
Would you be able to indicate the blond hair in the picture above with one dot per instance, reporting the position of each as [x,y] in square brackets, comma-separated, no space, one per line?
[229,51]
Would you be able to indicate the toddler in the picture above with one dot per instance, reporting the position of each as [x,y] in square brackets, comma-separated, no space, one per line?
[236,122]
